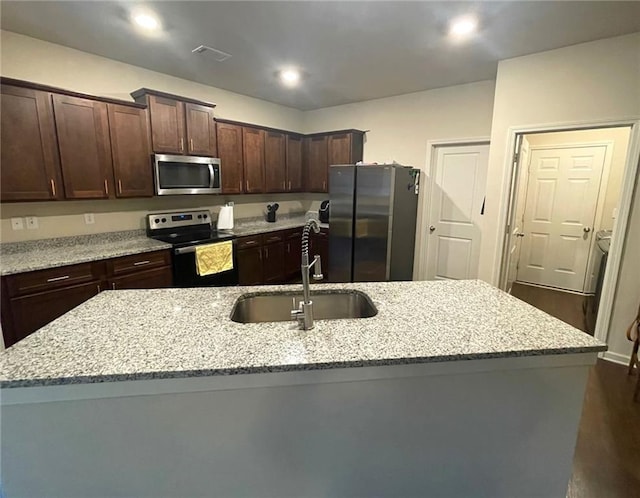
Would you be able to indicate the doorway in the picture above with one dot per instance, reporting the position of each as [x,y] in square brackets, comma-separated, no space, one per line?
[458,175]
[565,194]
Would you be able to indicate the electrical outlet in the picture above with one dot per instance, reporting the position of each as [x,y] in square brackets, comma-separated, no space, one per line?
[32,222]
[89,219]
[16,224]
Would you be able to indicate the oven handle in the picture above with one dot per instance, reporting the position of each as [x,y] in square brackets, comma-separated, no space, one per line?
[185,250]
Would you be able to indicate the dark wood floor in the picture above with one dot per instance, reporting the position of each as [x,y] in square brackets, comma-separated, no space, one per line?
[563,305]
[607,458]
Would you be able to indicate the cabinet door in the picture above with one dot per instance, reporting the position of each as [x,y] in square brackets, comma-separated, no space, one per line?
[275,162]
[339,149]
[250,266]
[29,313]
[85,149]
[253,149]
[29,153]
[293,254]
[201,130]
[294,163]
[230,154]
[149,279]
[167,125]
[130,150]
[273,263]
[317,164]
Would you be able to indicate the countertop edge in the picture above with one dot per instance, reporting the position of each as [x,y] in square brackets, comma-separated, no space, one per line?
[98,379]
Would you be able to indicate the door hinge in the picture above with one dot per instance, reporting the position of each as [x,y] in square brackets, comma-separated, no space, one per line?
[516,157]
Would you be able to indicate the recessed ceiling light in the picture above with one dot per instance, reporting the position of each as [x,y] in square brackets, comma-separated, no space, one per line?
[146,21]
[290,77]
[463,27]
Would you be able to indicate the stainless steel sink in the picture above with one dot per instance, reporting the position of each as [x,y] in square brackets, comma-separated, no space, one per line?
[327,305]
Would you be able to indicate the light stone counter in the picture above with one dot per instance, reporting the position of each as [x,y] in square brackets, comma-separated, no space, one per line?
[20,257]
[177,333]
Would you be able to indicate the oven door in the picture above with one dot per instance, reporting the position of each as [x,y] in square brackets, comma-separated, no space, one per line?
[185,274]
[184,175]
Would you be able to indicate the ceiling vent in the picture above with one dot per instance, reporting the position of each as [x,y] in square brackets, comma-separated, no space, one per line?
[218,55]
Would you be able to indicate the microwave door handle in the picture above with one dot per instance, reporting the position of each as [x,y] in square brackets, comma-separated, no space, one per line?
[212,175]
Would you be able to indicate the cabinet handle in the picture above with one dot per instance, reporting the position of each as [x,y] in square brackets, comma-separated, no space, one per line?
[289,184]
[247,185]
[113,285]
[99,289]
[250,243]
[266,252]
[120,186]
[260,254]
[138,263]
[284,187]
[56,279]
[324,185]
[191,144]
[181,145]
[240,185]
[53,187]
[106,187]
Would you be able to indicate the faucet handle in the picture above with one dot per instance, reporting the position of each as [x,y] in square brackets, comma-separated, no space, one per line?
[317,268]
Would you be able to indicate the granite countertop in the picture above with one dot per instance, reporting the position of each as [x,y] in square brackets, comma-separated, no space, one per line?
[20,257]
[114,337]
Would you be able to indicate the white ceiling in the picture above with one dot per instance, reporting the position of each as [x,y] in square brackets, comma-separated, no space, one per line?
[351,51]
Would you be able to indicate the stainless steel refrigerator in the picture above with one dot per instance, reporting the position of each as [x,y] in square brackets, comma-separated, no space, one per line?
[372,220]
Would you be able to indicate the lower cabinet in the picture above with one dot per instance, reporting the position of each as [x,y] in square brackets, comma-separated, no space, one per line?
[275,257]
[33,299]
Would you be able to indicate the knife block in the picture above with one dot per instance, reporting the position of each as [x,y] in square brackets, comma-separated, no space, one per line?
[271,216]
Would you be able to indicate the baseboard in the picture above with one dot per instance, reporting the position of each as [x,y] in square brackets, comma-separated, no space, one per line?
[547,287]
[616,358]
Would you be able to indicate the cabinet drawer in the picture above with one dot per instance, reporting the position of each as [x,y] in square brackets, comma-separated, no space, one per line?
[250,241]
[273,237]
[155,278]
[138,262]
[294,233]
[51,278]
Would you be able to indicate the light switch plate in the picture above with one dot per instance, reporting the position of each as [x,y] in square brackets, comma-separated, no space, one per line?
[32,222]
[89,219]
[16,224]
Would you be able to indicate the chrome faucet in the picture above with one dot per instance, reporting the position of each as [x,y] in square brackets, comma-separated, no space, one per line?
[304,313]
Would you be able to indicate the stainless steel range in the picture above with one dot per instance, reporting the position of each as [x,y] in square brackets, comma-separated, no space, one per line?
[184,231]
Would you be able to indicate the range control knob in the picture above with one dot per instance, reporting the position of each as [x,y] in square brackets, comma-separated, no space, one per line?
[199,216]
[205,216]
[164,220]
[157,220]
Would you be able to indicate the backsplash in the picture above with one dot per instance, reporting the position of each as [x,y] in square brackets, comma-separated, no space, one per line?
[66,218]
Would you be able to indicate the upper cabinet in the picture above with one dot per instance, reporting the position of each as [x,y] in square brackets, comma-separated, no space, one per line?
[28,146]
[82,127]
[179,125]
[58,144]
[253,155]
[130,151]
[231,157]
[275,162]
[326,149]
[294,163]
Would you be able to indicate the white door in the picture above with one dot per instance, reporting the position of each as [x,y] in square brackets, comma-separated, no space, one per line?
[562,196]
[516,231]
[459,177]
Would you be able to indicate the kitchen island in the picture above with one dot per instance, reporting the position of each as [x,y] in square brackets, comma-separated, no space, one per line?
[452,389]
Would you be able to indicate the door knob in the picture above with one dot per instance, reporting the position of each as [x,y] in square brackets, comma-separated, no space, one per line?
[586,229]
[432,228]
[520,234]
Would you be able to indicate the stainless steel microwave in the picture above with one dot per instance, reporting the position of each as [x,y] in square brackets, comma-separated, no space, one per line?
[184,175]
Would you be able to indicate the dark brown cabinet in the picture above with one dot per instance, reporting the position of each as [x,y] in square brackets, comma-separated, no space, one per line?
[250,266]
[201,130]
[130,151]
[231,157]
[293,254]
[179,125]
[167,125]
[323,150]
[294,163]
[273,263]
[253,157]
[317,164]
[29,150]
[33,299]
[319,244]
[275,162]
[82,127]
